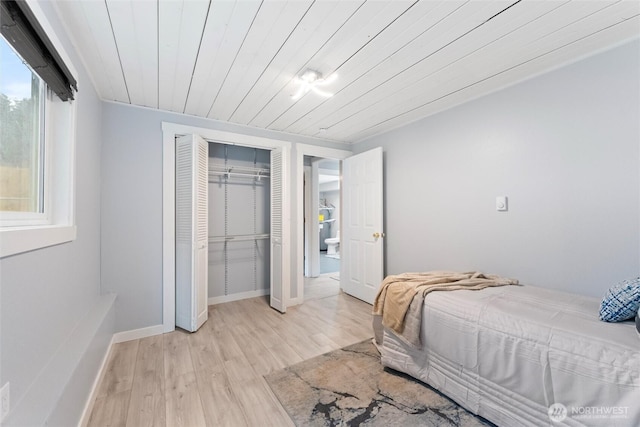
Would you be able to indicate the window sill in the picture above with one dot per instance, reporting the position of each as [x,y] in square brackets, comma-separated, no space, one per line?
[24,239]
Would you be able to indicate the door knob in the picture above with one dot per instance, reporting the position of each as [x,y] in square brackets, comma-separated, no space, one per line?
[378,235]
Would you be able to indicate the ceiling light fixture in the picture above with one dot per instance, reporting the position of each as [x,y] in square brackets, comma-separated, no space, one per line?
[309,81]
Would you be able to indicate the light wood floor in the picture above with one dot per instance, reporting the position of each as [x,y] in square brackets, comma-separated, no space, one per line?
[214,377]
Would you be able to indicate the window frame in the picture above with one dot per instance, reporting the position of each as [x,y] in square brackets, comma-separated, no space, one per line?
[18,236]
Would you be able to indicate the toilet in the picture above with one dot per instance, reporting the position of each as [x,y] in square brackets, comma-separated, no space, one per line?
[333,244]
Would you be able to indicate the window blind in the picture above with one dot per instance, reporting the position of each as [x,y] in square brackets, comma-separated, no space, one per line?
[22,31]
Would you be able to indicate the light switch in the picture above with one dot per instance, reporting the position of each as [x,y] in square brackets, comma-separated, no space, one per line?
[501,203]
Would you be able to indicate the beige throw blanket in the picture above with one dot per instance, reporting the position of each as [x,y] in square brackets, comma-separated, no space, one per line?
[400,298]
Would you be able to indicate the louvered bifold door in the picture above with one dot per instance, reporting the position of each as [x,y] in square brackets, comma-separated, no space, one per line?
[191,232]
[202,232]
[280,225]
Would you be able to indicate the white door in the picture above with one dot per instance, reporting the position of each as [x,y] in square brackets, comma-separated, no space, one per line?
[361,242]
[280,225]
[192,154]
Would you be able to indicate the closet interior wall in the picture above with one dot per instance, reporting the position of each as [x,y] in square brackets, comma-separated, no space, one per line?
[239,205]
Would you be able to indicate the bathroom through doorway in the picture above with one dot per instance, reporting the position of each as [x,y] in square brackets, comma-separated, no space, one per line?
[322,207]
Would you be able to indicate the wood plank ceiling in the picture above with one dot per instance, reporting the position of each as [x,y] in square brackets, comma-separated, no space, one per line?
[395,61]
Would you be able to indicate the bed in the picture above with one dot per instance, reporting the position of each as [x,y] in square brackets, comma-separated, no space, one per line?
[524,356]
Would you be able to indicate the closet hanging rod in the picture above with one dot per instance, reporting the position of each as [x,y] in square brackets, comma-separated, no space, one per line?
[239,171]
[238,238]
[245,175]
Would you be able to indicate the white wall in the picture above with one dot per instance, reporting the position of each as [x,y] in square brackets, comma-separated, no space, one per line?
[564,147]
[132,206]
[50,296]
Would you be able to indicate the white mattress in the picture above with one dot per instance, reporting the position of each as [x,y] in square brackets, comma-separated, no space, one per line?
[508,353]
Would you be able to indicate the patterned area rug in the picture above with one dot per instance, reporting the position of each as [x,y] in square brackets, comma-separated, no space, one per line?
[349,387]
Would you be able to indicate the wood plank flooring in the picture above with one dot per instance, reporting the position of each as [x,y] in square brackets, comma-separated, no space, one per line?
[214,377]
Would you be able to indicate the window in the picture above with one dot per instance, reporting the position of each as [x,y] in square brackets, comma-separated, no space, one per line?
[22,105]
[37,132]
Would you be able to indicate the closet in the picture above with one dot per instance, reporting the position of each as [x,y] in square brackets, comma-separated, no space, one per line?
[238,222]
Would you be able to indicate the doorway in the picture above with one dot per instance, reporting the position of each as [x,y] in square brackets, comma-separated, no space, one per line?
[362,232]
[329,216]
[302,175]
[322,201]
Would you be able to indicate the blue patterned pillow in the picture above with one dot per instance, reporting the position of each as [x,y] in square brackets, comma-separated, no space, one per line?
[621,302]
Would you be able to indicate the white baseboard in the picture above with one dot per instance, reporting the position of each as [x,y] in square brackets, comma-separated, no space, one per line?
[136,334]
[238,296]
[88,407]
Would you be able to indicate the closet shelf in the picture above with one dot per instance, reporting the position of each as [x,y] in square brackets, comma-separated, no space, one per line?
[239,171]
[238,238]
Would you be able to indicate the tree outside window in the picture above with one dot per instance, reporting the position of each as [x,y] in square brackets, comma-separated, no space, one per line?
[22,99]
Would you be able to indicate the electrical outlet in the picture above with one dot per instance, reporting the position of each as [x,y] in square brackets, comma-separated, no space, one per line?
[5,403]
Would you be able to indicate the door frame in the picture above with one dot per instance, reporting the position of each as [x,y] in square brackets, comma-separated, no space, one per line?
[169,133]
[311,236]
[301,151]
